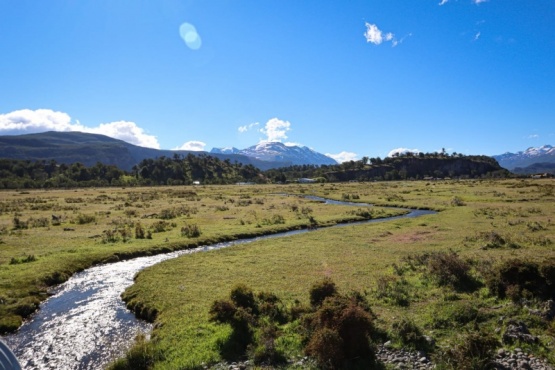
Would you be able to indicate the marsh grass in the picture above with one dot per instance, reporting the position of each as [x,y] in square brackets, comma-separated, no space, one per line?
[358,258]
[68,230]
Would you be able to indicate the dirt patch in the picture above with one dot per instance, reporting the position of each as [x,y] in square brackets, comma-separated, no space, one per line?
[411,237]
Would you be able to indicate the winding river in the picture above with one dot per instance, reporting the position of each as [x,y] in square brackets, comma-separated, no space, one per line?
[85,324]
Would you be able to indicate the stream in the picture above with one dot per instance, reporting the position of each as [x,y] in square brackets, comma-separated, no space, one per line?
[85,324]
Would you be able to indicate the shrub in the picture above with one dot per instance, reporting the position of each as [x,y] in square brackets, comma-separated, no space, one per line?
[493,240]
[322,290]
[190,231]
[83,219]
[139,231]
[453,314]
[326,346]
[141,356]
[39,222]
[242,296]
[55,278]
[473,351]
[339,333]
[275,220]
[409,334]
[393,291]
[168,214]
[270,305]
[161,226]
[19,224]
[222,311]
[519,279]
[26,306]
[265,352]
[236,313]
[535,226]
[449,269]
[110,236]
[26,259]
[457,201]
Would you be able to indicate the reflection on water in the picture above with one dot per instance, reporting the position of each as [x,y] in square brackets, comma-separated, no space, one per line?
[86,325]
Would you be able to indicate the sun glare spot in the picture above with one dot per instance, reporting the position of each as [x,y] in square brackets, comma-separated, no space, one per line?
[189,34]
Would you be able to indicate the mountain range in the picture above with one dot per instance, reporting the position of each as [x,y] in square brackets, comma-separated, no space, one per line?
[531,157]
[279,152]
[88,149]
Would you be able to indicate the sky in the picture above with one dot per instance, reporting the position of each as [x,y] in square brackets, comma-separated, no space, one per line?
[345,78]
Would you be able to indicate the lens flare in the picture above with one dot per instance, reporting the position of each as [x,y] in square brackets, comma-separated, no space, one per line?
[189,34]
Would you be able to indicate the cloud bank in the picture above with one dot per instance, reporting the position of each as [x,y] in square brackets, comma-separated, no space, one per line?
[343,156]
[477,2]
[193,145]
[27,121]
[398,151]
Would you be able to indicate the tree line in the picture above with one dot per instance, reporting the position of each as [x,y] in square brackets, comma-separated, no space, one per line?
[206,169]
[178,170]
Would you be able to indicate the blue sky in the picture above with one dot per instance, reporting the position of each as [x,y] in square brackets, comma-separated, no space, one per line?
[346,78]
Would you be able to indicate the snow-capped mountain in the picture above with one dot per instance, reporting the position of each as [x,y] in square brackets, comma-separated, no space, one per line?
[231,150]
[543,154]
[279,152]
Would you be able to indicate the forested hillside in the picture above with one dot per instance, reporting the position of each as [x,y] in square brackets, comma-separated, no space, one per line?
[400,167]
[178,170]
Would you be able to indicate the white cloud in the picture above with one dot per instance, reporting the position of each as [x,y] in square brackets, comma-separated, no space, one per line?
[343,156]
[31,121]
[126,131]
[193,145]
[27,121]
[373,34]
[376,36]
[477,2]
[276,129]
[402,151]
[534,136]
[245,128]
[477,36]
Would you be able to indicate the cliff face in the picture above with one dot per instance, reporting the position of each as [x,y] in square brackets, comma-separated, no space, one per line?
[419,168]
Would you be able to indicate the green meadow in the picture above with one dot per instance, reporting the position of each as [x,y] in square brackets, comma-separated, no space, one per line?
[400,267]
[47,235]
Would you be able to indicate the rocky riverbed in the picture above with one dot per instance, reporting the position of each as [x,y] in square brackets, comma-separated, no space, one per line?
[416,360]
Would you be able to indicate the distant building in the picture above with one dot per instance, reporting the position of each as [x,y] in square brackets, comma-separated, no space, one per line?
[304,180]
[541,176]
[196,182]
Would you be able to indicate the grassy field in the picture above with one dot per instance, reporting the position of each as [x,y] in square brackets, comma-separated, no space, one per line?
[482,223]
[47,235]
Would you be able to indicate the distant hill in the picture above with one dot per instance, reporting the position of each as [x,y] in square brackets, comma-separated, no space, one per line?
[543,154]
[400,167]
[279,152]
[536,168]
[88,149]
[414,167]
